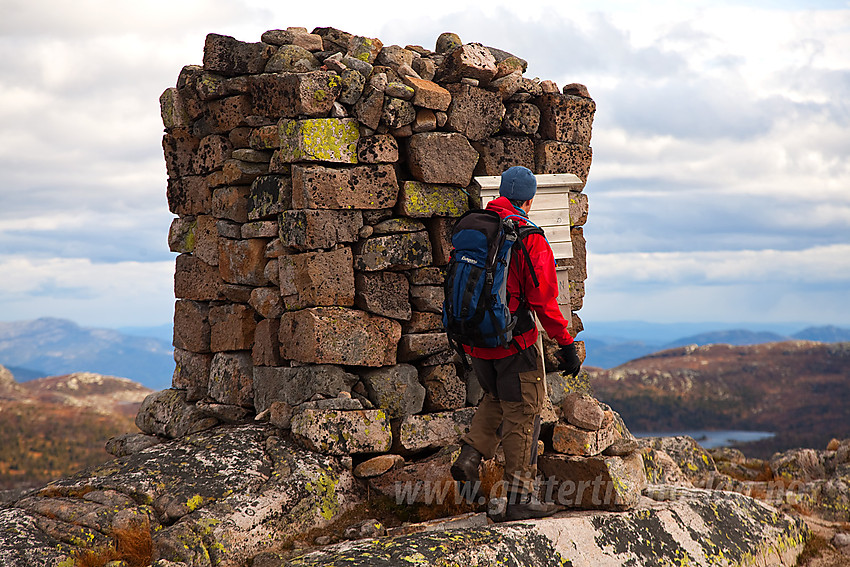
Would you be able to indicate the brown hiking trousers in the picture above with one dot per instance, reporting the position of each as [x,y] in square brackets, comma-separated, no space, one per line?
[509,412]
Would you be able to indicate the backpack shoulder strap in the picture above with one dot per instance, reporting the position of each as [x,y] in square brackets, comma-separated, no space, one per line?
[523,232]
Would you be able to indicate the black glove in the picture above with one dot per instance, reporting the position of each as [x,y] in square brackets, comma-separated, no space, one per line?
[568,360]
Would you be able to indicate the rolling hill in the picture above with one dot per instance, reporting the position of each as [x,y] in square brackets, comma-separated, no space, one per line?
[52,427]
[798,389]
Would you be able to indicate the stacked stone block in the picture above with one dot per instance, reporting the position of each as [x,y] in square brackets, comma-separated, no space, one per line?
[316,177]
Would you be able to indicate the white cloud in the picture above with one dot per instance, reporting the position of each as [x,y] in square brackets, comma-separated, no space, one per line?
[719,126]
[87,292]
[722,286]
[828,265]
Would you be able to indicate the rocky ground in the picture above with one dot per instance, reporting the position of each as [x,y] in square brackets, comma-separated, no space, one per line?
[249,494]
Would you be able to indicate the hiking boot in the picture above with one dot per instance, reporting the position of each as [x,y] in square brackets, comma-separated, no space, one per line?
[465,468]
[526,507]
[465,471]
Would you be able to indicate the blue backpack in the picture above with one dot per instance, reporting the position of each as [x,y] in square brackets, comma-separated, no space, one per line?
[475,310]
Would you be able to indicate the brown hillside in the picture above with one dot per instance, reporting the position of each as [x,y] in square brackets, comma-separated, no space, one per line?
[53,427]
[798,389]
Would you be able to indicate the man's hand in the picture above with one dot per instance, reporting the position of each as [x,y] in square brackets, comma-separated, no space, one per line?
[568,360]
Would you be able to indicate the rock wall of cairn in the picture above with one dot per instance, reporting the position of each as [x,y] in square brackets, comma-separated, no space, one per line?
[315,178]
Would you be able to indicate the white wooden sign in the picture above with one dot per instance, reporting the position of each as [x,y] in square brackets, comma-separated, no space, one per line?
[550,209]
[551,212]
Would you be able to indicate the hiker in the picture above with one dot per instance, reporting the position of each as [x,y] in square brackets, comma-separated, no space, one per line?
[512,376]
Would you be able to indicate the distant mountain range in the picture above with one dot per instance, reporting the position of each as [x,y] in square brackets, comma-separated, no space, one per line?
[52,347]
[610,350]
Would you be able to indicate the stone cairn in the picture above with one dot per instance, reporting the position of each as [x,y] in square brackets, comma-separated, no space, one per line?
[316,178]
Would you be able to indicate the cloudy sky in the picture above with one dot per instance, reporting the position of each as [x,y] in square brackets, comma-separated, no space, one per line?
[720,188]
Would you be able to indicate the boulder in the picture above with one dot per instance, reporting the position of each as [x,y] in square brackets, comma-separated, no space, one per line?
[294,36]
[444,389]
[427,94]
[297,385]
[291,95]
[397,112]
[383,293]
[369,107]
[216,497]
[195,279]
[395,389]
[597,483]
[521,118]
[192,326]
[694,461]
[560,384]
[260,229]
[335,335]
[317,278]
[352,84]
[566,118]
[357,187]
[231,379]
[342,432]
[310,229]
[571,440]
[232,202]
[379,148]
[472,60]
[474,112]
[232,327]
[212,152]
[582,410]
[396,225]
[441,157]
[432,431]
[191,373]
[427,298]
[440,232]
[562,157]
[243,261]
[376,466]
[266,350]
[424,200]
[798,465]
[189,195]
[421,322]
[167,414]
[172,109]
[501,152]
[130,444]
[292,59]
[419,345]
[264,137]
[364,48]
[225,114]
[393,252]
[660,468]
[266,301]
[394,56]
[178,148]
[425,481]
[229,56]
[319,139]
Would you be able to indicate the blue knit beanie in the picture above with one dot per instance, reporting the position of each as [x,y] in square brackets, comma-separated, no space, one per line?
[518,183]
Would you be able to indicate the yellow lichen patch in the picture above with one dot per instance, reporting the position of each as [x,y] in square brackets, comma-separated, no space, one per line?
[425,200]
[194,502]
[319,139]
[324,488]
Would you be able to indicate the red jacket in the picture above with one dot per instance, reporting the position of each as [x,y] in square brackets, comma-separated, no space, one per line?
[542,299]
